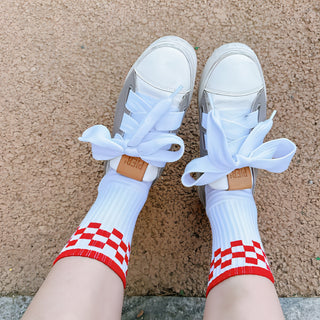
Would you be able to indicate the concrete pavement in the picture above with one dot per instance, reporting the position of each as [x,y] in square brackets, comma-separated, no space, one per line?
[169,308]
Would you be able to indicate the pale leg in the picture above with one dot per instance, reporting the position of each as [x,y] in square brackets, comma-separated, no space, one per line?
[247,297]
[78,288]
[88,278]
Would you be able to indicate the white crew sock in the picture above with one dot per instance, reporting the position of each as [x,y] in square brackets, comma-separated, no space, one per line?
[105,233]
[236,243]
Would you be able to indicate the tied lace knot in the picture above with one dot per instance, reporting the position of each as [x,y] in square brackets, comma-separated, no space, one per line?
[249,151]
[145,132]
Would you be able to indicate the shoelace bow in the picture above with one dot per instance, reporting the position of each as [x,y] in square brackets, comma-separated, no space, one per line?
[146,132]
[231,145]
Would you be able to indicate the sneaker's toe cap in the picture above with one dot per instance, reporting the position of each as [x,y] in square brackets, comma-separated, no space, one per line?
[165,68]
[235,74]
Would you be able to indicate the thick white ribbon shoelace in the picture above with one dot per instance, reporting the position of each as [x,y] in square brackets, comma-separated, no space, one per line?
[274,156]
[146,132]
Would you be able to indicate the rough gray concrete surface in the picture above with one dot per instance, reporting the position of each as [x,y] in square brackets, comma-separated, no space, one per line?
[12,308]
[170,308]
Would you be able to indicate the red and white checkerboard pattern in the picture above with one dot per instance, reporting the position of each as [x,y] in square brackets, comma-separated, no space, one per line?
[106,246]
[238,259]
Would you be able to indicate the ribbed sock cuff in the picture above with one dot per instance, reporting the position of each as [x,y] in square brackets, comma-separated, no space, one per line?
[236,244]
[105,233]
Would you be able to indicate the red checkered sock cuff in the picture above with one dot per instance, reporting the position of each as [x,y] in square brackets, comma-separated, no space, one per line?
[236,242]
[96,242]
[105,233]
[239,258]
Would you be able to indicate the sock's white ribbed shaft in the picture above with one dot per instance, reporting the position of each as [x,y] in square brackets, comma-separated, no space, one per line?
[105,233]
[236,243]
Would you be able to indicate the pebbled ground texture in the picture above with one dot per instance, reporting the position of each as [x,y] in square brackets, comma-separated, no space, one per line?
[62,66]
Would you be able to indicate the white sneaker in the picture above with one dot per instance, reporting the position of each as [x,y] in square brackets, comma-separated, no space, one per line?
[151,106]
[232,109]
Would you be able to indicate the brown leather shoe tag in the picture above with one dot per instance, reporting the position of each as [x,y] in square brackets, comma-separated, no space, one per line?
[132,167]
[240,179]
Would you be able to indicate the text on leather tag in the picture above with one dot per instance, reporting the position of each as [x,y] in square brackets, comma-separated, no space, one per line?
[240,179]
[132,167]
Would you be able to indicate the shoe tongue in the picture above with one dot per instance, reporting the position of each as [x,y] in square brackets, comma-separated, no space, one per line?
[230,107]
[236,105]
[148,89]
